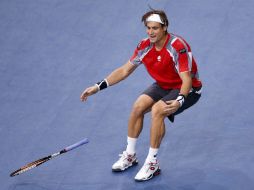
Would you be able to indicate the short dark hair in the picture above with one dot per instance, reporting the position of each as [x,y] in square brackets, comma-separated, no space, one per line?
[161,13]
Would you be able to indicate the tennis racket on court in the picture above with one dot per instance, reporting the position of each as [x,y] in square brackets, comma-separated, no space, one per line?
[47,158]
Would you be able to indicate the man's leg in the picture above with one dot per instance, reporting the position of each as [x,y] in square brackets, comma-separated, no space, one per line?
[135,125]
[140,107]
[157,132]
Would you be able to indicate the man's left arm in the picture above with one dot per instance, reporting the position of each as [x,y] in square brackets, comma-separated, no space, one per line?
[174,105]
[183,67]
[186,83]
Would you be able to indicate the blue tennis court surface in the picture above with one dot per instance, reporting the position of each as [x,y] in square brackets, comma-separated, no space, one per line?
[51,50]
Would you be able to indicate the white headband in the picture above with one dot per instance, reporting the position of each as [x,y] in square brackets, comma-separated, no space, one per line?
[154,18]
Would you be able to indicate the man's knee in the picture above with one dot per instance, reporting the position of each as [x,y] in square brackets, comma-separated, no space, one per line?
[142,105]
[158,109]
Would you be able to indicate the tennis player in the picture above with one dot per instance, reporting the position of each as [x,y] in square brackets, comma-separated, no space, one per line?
[169,61]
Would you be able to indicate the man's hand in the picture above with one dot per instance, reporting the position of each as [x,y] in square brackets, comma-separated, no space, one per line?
[171,107]
[88,92]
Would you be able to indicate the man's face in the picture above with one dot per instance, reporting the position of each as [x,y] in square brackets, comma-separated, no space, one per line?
[155,31]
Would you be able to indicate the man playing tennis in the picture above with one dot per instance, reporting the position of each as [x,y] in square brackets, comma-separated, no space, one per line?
[169,61]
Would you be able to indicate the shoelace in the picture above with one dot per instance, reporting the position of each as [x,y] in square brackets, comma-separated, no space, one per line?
[148,165]
[123,156]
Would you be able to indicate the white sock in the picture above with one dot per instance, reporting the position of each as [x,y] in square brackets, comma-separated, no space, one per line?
[131,145]
[152,155]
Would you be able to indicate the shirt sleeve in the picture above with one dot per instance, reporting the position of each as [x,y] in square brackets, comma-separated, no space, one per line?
[140,50]
[184,56]
[135,60]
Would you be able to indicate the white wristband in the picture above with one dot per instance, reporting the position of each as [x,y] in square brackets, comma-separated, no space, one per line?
[180,98]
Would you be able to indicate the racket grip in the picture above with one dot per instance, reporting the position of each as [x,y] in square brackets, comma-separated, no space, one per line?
[84,141]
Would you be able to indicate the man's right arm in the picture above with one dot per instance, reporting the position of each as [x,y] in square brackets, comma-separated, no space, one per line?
[120,73]
[116,76]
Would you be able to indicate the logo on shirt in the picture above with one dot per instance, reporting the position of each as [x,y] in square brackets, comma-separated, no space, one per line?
[183,50]
[159,58]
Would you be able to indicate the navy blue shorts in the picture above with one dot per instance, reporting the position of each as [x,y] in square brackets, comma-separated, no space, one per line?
[157,93]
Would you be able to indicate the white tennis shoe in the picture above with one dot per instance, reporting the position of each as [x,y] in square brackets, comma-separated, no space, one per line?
[125,161]
[148,171]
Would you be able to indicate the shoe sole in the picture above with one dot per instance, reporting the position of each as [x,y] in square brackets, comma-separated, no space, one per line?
[157,172]
[121,170]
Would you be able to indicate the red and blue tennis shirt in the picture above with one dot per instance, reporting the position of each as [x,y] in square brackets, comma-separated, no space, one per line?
[165,65]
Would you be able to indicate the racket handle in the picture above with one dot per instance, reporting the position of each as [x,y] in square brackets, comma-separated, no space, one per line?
[84,141]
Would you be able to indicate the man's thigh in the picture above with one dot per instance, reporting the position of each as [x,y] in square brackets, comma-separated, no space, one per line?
[144,102]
